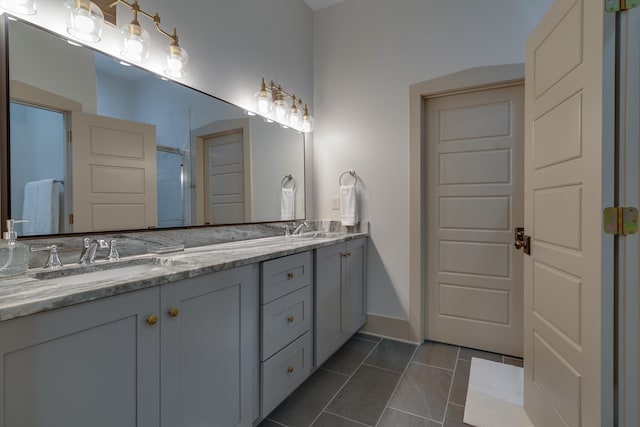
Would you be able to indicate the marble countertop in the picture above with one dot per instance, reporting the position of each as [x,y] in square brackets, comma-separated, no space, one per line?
[39,290]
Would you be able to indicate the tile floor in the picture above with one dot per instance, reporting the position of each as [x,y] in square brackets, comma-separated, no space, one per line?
[384,383]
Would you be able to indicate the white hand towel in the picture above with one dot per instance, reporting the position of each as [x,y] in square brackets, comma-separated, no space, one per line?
[288,204]
[348,204]
[41,207]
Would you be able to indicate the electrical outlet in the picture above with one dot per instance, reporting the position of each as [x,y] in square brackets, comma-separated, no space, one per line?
[335,203]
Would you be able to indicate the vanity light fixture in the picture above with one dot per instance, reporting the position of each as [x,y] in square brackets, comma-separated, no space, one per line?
[84,20]
[135,42]
[271,102]
[24,7]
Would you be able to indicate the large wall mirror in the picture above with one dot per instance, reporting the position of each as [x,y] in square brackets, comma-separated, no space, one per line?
[99,146]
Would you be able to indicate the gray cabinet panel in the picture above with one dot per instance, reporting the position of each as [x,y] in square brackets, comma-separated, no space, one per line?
[92,364]
[281,276]
[284,320]
[285,371]
[340,295]
[208,349]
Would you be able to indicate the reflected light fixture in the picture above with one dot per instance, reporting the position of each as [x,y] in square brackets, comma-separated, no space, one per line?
[135,42]
[24,7]
[271,102]
[84,20]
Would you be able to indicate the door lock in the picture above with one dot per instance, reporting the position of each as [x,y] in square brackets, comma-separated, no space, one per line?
[522,241]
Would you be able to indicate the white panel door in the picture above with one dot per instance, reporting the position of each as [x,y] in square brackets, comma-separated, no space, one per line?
[224,179]
[474,185]
[568,145]
[113,173]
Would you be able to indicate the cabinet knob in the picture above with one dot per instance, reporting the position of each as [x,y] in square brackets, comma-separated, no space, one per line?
[348,253]
[290,275]
[152,320]
[173,312]
[290,319]
[290,369]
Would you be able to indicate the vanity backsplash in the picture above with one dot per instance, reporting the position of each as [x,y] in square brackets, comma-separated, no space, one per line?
[142,242]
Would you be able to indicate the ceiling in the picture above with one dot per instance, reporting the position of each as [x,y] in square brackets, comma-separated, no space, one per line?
[320,4]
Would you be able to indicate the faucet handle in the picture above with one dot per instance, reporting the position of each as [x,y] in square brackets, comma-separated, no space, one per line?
[53,261]
[113,251]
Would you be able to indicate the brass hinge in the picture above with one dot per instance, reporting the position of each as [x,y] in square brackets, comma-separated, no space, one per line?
[70,218]
[620,5]
[620,221]
[69,136]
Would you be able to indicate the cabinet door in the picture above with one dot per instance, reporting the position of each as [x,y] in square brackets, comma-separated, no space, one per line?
[355,276]
[208,349]
[330,325]
[93,364]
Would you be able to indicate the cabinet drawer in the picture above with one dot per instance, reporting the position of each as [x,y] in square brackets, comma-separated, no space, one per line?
[285,371]
[284,320]
[284,275]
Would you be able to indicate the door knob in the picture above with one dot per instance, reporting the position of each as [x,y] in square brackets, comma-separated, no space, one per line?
[522,241]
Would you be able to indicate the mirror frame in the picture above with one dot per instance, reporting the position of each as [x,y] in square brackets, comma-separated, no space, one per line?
[5,167]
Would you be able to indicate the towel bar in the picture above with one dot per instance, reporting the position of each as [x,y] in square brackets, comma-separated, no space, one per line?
[287,179]
[351,172]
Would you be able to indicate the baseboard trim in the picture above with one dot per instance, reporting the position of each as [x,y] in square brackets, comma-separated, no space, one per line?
[388,327]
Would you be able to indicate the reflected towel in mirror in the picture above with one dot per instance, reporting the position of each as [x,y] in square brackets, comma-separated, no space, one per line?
[41,207]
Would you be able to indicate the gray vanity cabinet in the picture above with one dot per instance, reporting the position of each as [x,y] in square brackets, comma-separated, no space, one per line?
[340,295]
[93,364]
[209,349]
[181,354]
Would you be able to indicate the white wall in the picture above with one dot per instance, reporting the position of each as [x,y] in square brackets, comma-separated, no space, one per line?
[366,55]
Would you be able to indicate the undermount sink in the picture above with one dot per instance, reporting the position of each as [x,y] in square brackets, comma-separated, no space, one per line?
[102,271]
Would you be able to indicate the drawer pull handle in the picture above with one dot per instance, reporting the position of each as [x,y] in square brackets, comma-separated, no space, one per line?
[290,275]
[290,369]
[290,319]
[152,320]
[173,312]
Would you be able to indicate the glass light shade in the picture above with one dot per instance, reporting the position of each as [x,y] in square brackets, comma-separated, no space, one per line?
[295,116]
[24,7]
[307,123]
[280,109]
[263,103]
[135,42]
[177,60]
[84,20]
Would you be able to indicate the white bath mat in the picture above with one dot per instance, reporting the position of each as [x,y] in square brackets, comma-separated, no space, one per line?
[495,395]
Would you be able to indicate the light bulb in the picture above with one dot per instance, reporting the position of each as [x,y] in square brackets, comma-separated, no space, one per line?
[295,116]
[135,42]
[176,61]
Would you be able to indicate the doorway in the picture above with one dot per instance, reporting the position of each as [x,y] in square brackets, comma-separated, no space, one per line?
[473,147]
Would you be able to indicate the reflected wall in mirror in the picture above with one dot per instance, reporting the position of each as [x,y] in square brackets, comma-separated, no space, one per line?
[98,146]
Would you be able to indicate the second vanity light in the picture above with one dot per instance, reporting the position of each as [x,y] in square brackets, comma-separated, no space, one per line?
[271,102]
[85,21]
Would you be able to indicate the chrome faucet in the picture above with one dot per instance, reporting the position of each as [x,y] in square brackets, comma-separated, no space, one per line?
[300,228]
[90,247]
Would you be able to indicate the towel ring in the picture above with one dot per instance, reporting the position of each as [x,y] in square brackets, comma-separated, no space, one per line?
[287,179]
[351,173]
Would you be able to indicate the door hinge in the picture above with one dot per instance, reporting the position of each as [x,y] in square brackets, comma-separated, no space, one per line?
[620,5]
[69,136]
[71,219]
[620,221]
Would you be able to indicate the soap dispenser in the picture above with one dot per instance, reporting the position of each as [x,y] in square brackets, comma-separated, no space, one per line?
[14,256]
